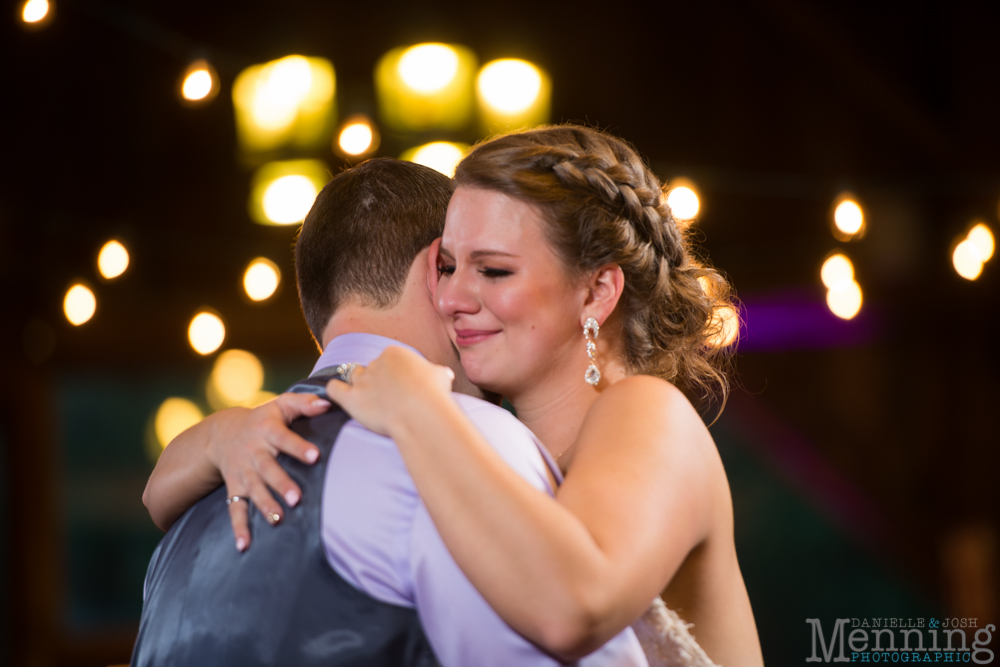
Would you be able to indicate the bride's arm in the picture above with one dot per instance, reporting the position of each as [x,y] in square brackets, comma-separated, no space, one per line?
[235,446]
[568,573]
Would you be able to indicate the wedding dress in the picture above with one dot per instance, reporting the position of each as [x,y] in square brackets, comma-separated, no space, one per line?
[667,640]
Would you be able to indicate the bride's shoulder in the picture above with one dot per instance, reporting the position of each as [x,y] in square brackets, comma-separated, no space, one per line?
[644,393]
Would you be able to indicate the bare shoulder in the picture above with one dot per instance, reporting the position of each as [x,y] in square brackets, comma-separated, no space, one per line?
[651,401]
[652,423]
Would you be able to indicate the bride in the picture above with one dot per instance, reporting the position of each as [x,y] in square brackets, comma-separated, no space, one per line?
[568,288]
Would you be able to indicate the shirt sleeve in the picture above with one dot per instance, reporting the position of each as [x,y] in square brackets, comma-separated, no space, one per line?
[461,626]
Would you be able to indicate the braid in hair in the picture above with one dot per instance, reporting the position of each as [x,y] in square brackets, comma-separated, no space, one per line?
[607,207]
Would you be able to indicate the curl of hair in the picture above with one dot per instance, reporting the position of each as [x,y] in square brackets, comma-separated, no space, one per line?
[605,206]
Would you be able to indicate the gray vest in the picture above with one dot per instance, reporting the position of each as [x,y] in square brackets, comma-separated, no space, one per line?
[279,602]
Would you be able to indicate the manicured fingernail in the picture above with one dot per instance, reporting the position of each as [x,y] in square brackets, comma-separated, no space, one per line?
[292,498]
[312,455]
[241,544]
[321,403]
[274,518]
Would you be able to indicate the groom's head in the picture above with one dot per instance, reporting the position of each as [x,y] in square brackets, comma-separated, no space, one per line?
[362,235]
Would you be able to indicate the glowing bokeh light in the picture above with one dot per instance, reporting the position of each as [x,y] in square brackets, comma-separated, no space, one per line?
[728,323]
[173,417]
[683,202]
[426,87]
[79,304]
[848,217]
[289,101]
[442,156]
[356,138]
[288,199]
[34,11]
[967,260]
[428,68]
[282,192]
[206,332]
[237,377]
[844,299]
[197,84]
[261,279]
[509,86]
[982,240]
[836,270]
[112,260]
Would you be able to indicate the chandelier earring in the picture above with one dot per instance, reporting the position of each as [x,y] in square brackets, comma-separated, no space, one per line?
[590,330]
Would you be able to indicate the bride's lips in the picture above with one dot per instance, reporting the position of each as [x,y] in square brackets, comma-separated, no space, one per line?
[465,337]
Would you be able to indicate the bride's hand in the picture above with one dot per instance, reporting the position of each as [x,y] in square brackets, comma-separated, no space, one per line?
[244,445]
[398,378]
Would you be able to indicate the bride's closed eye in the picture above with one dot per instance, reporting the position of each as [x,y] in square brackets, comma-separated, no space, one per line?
[494,273]
[446,269]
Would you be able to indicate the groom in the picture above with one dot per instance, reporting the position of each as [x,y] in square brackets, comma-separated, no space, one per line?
[356,573]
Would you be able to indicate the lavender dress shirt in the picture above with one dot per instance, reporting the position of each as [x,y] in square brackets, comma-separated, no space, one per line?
[378,535]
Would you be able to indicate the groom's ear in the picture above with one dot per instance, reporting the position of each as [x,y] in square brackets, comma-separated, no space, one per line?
[604,290]
[432,266]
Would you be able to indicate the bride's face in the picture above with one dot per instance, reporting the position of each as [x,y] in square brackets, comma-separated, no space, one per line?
[509,305]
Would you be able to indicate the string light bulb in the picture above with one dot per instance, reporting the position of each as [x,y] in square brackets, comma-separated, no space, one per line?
[112,260]
[848,218]
[206,332]
[200,83]
[79,304]
[35,11]
[683,201]
[261,279]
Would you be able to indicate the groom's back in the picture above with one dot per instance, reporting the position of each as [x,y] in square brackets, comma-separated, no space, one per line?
[278,603]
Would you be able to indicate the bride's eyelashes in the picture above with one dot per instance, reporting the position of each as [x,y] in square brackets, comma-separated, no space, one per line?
[494,273]
[449,269]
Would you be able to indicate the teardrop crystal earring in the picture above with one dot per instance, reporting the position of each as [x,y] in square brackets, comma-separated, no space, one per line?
[590,331]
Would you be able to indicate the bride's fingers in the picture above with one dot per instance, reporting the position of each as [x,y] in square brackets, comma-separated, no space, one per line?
[238,509]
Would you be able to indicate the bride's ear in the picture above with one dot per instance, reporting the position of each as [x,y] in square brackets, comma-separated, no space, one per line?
[604,290]
[432,266]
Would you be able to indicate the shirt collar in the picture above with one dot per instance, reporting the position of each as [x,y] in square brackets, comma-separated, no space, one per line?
[358,348]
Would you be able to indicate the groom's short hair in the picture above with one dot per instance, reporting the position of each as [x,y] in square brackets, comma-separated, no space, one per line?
[362,234]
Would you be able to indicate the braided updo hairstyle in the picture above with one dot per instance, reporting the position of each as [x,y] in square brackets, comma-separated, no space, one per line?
[604,206]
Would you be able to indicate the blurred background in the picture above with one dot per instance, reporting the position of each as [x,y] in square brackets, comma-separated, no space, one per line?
[837,160]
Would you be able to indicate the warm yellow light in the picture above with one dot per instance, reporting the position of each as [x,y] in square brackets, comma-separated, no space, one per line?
[261,279]
[509,86]
[289,101]
[982,240]
[237,377]
[112,260]
[426,87]
[683,203]
[281,193]
[173,417]
[35,10]
[356,138]
[197,85]
[428,68]
[966,260]
[728,323]
[836,269]
[206,333]
[288,199]
[849,217]
[79,304]
[844,299]
[440,155]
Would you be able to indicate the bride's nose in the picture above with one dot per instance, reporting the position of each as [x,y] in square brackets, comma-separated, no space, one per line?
[454,297]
